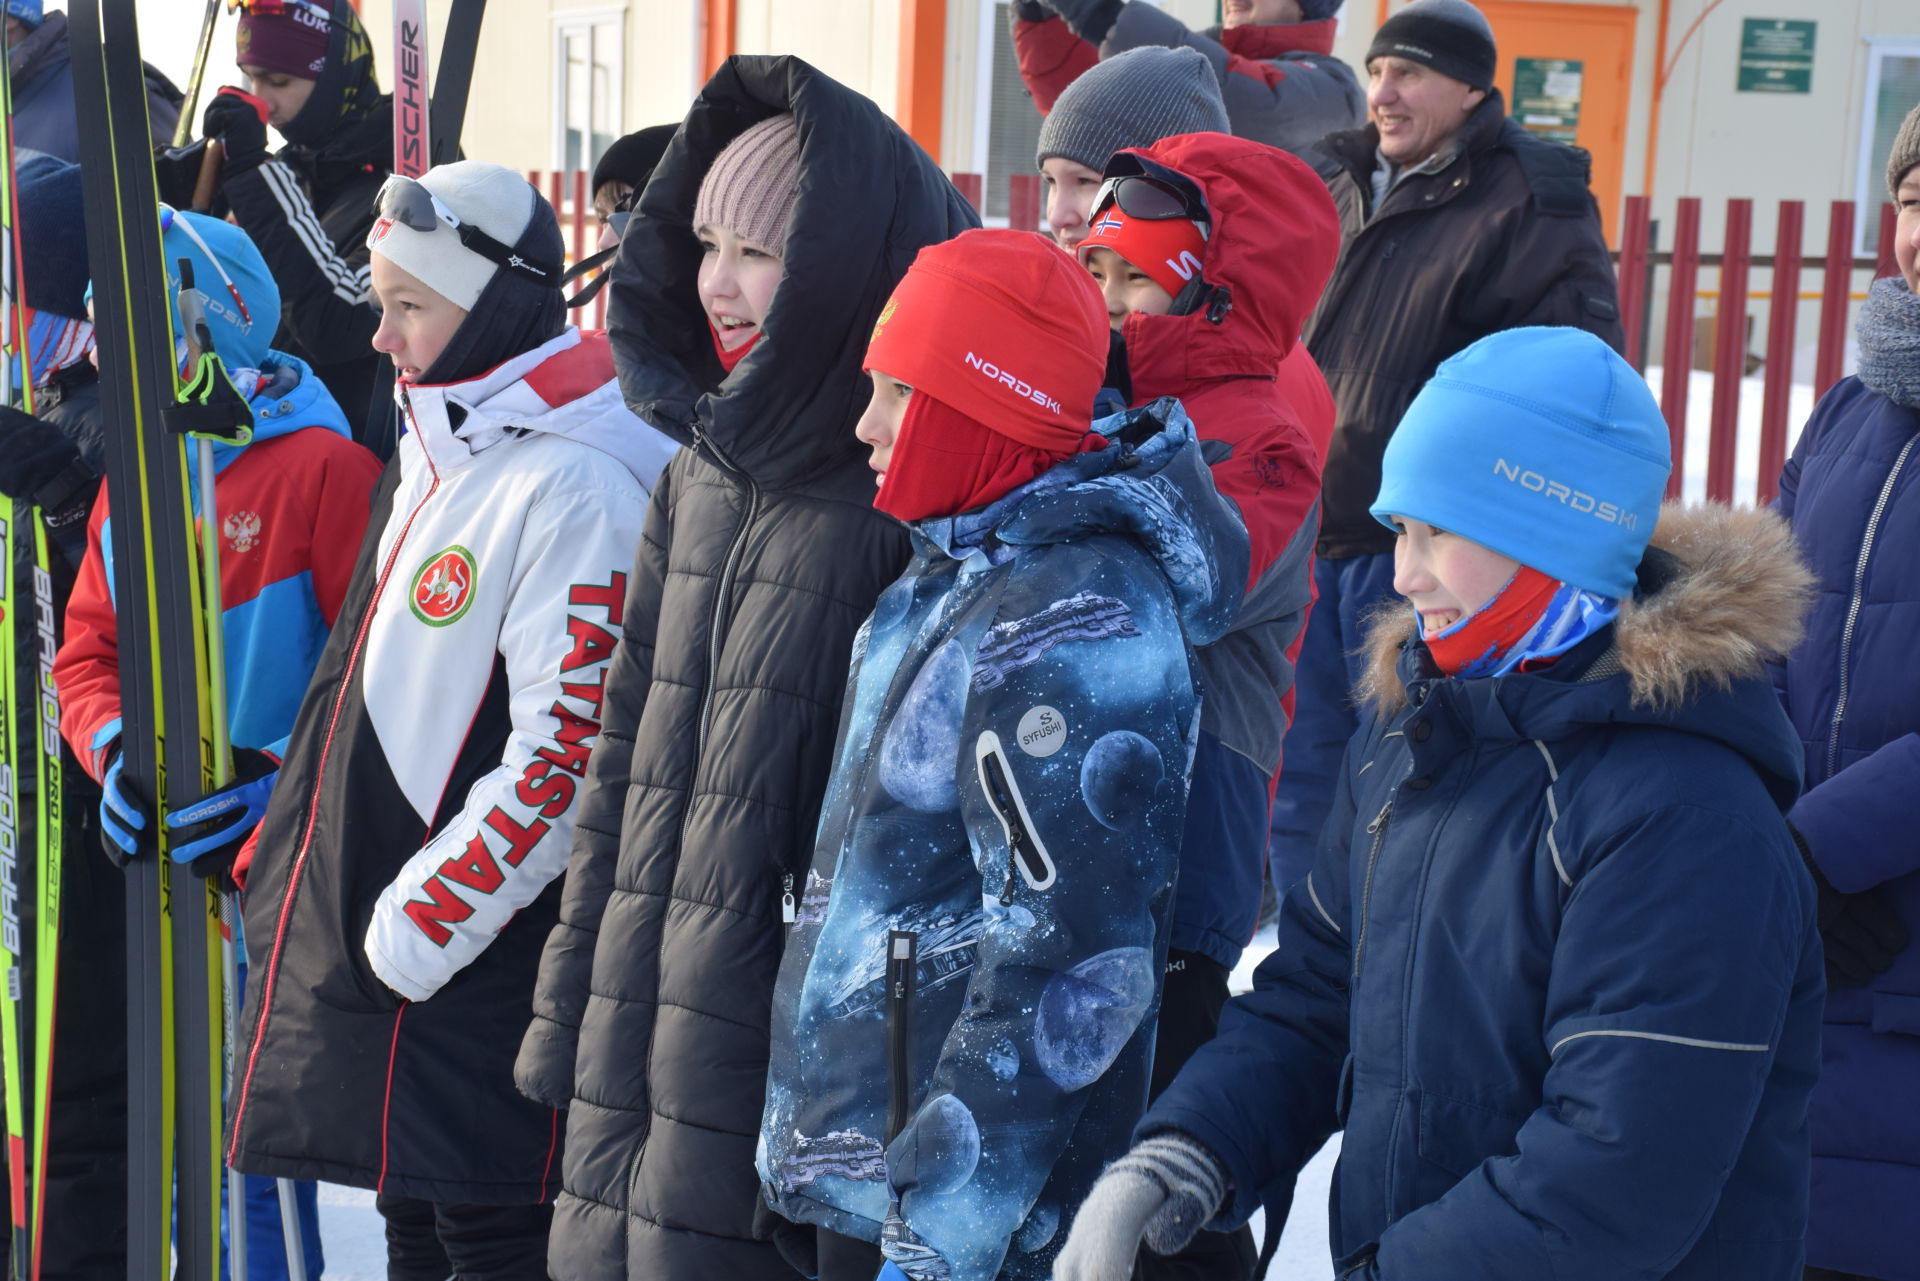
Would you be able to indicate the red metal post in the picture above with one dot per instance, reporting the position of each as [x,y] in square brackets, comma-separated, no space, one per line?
[1677,363]
[1023,202]
[1838,283]
[1884,262]
[1729,349]
[1634,230]
[969,185]
[556,191]
[580,249]
[1783,317]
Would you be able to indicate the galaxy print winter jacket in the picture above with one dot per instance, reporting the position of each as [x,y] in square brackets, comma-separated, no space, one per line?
[1554,972]
[979,941]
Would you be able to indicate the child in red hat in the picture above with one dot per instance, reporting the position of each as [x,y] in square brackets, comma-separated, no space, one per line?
[964,1022]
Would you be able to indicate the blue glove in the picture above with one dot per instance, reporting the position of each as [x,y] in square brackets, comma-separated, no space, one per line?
[208,834]
[124,813]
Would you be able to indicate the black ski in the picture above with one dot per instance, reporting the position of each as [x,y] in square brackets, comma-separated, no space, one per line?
[174,1008]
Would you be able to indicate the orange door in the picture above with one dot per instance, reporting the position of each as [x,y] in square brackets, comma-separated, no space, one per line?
[1567,72]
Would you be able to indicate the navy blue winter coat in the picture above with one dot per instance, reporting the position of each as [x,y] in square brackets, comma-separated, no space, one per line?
[1852,492]
[1009,789]
[1555,970]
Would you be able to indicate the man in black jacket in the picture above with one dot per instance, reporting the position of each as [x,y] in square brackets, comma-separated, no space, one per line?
[1456,223]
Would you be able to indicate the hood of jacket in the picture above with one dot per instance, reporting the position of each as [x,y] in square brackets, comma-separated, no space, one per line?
[46,48]
[1274,242]
[869,200]
[564,387]
[1723,591]
[1159,493]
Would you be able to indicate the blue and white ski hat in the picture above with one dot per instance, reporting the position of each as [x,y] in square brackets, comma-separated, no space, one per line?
[28,11]
[1541,444]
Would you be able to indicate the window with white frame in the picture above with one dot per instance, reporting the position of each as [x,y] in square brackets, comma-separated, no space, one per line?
[1010,132]
[589,51]
[1893,90]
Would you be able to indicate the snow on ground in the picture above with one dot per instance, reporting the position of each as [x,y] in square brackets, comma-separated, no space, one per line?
[1747,449]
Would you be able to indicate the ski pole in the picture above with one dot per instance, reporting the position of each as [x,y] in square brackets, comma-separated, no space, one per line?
[202,51]
[290,1226]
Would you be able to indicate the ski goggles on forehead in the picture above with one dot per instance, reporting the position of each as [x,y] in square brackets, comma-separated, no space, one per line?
[405,201]
[278,7]
[1153,198]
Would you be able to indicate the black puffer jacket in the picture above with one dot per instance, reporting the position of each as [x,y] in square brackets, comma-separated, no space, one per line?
[762,556]
[1505,235]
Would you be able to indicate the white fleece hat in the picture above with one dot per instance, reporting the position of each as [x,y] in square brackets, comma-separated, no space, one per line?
[491,197]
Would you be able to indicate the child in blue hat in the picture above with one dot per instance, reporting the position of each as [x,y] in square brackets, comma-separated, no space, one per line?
[1555,972]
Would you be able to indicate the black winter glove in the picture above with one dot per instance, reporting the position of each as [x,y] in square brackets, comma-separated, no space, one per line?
[1862,934]
[1029,11]
[32,453]
[1091,20]
[239,121]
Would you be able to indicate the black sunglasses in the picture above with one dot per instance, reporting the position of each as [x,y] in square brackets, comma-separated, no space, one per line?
[406,202]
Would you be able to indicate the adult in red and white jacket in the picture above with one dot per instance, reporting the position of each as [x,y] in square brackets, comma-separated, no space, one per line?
[1274,58]
[406,877]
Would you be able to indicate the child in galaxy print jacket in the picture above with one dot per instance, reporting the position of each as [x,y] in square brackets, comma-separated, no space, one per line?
[964,1019]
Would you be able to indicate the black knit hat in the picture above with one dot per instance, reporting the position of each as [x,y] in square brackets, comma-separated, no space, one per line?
[631,159]
[1451,36]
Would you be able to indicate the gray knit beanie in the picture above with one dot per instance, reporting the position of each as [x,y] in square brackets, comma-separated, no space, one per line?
[1451,36]
[1906,152]
[751,187]
[1133,99]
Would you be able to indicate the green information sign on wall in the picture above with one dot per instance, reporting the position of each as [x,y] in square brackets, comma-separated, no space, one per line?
[1776,56]
[1546,97]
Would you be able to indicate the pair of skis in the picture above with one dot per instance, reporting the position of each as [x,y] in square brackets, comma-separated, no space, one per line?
[166,610]
[29,879]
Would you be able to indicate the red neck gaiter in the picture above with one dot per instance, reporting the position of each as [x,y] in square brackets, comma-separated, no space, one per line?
[1497,626]
[729,359]
[945,463]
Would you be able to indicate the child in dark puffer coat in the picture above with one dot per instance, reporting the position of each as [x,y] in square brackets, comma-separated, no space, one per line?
[1555,971]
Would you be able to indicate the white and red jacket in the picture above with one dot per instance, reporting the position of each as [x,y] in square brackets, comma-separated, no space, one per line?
[398,894]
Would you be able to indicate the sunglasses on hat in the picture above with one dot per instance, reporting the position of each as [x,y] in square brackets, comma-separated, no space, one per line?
[1153,199]
[405,201]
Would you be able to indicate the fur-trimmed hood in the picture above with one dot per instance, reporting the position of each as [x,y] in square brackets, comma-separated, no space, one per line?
[1723,591]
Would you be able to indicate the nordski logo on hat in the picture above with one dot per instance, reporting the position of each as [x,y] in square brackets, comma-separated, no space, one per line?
[443,587]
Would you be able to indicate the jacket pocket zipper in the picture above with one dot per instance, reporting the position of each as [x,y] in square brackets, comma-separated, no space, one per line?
[1377,829]
[902,955]
[1025,851]
[789,910]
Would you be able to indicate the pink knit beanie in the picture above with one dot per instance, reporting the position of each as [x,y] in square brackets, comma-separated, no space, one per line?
[751,187]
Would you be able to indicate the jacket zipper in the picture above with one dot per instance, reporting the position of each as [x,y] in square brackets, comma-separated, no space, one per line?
[722,592]
[1378,830]
[319,777]
[902,954]
[1853,605]
[1025,852]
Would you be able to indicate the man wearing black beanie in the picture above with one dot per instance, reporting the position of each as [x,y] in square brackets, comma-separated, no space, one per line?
[1455,223]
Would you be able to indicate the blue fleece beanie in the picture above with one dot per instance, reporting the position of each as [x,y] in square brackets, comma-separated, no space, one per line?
[1542,445]
[28,11]
[242,341]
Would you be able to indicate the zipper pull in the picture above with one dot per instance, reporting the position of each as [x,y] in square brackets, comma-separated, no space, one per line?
[787,912]
[1380,819]
[1006,891]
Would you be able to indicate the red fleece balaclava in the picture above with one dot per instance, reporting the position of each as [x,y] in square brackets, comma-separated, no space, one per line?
[1004,340]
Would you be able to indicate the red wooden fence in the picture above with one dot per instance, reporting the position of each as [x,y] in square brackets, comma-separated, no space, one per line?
[1640,263]
[1841,283]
